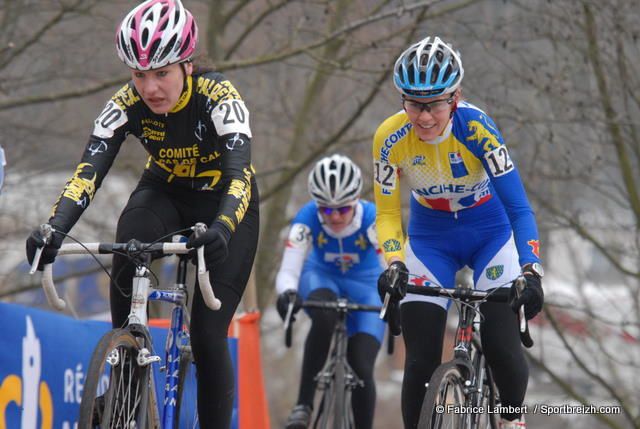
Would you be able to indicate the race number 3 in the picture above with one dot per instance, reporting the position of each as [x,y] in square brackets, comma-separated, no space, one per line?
[499,161]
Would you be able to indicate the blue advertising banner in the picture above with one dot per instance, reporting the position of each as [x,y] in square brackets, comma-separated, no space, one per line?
[43,360]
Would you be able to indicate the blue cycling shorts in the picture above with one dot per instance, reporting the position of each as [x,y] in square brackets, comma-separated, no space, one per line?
[361,290]
[441,243]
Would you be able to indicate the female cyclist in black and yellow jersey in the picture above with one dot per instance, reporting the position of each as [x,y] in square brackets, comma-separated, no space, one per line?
[195,128]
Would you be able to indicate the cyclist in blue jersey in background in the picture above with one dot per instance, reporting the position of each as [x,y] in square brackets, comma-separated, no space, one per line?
[332,252]
[468,207]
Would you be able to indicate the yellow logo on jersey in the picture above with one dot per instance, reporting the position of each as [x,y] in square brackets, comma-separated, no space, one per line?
[78,186]
[227,220]
[484,137]
[217,91]
[361,242]
[322,240]
[125,97]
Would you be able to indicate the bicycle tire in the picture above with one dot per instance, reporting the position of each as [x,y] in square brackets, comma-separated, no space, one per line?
[339,397]
[446,389]
[186,413]
[124,377]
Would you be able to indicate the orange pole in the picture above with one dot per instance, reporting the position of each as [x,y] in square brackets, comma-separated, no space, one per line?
[254,412]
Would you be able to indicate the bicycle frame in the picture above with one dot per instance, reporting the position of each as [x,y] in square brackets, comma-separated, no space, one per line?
[468,363]
[337,362]
[336,370]
[137,321]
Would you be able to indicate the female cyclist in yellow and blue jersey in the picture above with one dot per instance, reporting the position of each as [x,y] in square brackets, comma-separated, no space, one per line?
[468,207]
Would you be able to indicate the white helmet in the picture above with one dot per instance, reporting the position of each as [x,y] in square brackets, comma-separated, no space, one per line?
[335,181]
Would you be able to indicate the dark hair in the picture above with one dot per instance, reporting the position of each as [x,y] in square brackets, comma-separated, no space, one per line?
[202,64]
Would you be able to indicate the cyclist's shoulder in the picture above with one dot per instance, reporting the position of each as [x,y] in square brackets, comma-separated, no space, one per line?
[215,86]
[391,131]
[307,214]
[475,128]
[368,212]
[127,97]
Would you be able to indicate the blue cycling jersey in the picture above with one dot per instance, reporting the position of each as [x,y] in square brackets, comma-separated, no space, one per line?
[350,254]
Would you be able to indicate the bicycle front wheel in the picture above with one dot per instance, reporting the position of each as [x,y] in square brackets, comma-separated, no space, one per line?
[116,390]
[444,402]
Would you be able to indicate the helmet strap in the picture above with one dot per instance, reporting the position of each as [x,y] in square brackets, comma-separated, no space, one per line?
[453,109]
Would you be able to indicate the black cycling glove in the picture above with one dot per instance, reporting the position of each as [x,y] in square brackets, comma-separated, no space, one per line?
[216,244]
[531,296]
[36,240]
[283,301]
[398,290]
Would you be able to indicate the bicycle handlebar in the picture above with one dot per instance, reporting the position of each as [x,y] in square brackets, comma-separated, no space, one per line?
[496,295]
[340,305]
[107,248]
[471,295]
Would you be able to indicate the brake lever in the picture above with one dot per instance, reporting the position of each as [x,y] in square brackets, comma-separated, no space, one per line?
[525,335]
[287,319]
[393,275]
[520,285]
[46,231]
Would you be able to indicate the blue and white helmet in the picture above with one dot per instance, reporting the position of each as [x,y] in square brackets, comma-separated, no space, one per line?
[335,181]
[428,68]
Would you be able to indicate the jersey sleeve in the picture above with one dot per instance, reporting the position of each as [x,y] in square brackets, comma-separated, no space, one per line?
[487,144]
[372,235]
[230,118]
[386,191]
[297,246]
[110,129]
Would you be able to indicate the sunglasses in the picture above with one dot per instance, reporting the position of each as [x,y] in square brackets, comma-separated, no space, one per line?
[328,210]
[437,106]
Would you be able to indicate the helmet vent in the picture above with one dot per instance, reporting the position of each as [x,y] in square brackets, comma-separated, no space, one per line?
[186,44]
[144,37]
[134,48]
[434,75]
[154,48]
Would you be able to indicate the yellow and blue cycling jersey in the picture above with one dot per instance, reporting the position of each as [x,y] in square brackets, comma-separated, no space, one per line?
[467,167]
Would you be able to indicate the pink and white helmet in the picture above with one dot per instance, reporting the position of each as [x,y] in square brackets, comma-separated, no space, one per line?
[155,34]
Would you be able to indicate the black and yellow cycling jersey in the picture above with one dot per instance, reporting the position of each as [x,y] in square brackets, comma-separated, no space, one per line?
[202,144]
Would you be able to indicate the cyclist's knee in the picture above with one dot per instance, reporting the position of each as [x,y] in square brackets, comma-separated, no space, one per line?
[423,326]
